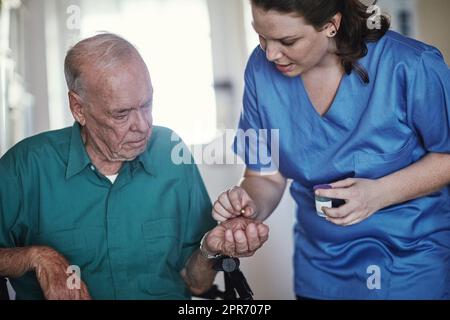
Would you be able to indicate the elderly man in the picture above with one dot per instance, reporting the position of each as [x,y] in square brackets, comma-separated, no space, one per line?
[105,198]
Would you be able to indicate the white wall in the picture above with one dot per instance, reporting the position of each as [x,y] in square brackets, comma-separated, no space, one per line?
[35,71]
[11,292]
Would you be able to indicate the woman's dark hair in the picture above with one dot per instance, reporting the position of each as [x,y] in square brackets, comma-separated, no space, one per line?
[354,30]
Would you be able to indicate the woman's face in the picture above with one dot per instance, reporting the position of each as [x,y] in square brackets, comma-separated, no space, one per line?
[290,43]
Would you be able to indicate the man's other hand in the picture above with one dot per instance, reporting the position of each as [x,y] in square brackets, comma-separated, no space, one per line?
[51,272]
[237,237]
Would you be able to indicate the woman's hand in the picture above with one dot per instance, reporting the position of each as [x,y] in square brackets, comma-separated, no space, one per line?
[362,197]
[233,203]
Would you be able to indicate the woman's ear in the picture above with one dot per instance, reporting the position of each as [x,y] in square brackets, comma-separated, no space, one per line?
[77,107]
[334,25]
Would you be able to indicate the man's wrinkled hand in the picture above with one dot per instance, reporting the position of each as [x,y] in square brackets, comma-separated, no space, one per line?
[237,237]
[51,272]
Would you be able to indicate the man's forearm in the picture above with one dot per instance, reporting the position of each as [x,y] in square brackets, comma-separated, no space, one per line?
[265,193]
[199,274]
[15,262]
[426,176]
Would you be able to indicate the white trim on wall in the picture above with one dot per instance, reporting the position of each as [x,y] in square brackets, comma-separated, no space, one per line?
[229,58]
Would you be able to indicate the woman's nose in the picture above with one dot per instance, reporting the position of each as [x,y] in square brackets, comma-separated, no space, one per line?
[273,51]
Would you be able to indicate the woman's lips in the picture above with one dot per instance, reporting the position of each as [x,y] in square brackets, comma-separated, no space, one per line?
[285,68]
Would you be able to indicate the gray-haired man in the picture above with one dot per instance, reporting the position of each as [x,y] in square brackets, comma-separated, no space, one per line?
[105,196]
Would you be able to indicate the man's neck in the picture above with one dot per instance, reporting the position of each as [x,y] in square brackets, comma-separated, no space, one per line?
[106,167]
[101,163]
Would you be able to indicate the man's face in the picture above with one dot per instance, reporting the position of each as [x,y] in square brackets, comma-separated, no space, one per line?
[118,118]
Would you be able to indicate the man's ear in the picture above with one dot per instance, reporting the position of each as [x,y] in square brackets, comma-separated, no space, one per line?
[77,108]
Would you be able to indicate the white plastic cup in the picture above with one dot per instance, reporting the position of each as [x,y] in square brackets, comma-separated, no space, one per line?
[322,202]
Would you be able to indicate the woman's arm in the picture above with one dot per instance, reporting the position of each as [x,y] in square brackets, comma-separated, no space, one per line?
[426,176]
[365,197]
[265,190]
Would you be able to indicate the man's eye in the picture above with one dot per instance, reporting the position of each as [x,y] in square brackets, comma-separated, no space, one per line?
[121,116]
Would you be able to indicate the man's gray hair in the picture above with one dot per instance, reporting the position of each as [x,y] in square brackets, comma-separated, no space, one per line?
[102,51]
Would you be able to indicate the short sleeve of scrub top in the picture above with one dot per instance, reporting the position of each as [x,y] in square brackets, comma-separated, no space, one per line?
[429,102]
[255,143]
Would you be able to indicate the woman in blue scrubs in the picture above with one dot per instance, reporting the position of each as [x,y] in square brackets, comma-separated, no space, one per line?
[366,111]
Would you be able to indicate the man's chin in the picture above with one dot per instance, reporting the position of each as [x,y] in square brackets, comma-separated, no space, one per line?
[128,157]
[130,153]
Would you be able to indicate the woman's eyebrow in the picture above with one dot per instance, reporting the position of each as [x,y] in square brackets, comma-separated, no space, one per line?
[279,39]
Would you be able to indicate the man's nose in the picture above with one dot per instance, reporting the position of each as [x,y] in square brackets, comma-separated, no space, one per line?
[142,120]
[273,51]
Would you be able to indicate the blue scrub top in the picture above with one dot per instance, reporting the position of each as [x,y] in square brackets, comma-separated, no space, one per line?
[370,131]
